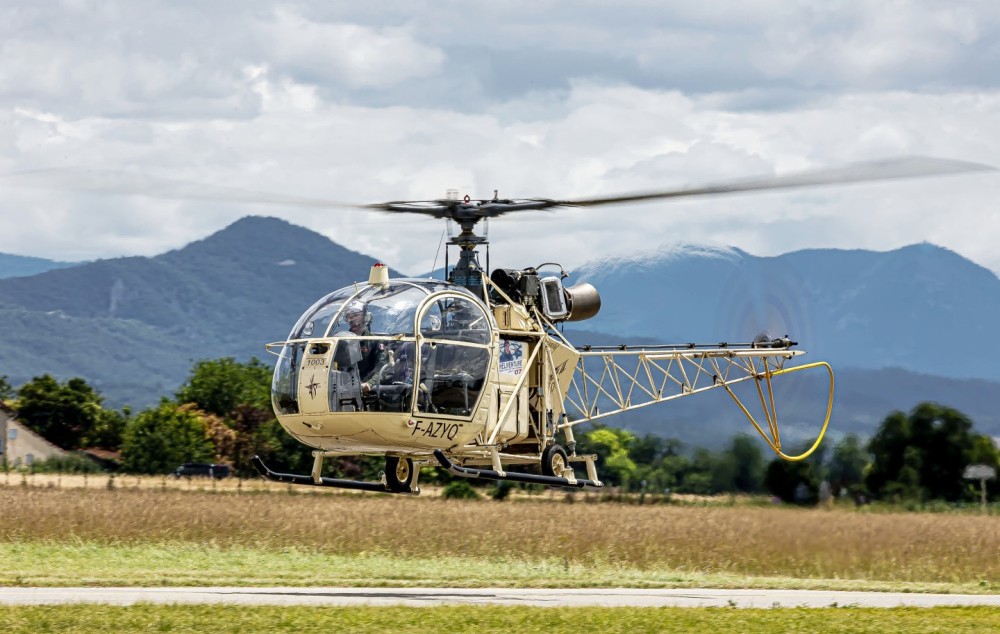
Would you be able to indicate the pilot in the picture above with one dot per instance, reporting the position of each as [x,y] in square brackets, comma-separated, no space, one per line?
[358,319]
[395,367]
[373,353]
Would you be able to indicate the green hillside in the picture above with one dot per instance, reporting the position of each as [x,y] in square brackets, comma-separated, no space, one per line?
[133,326]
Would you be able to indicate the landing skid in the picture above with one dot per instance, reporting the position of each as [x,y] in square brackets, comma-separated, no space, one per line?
[528,478]
[294,478]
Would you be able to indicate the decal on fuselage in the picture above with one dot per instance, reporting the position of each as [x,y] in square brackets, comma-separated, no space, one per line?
[435,430]
[511,357]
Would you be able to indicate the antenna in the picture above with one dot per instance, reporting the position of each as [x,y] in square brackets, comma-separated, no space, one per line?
[434,266]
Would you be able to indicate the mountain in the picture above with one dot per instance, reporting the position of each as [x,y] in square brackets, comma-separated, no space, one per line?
[125,323]
[21,265]
[921,308]
[899,327]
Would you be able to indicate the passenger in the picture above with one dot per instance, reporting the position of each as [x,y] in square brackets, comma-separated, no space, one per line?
[393,365]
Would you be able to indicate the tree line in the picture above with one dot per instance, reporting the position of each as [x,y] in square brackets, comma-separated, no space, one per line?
[222,413]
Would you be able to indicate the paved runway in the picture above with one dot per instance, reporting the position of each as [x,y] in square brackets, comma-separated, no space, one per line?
[602,597]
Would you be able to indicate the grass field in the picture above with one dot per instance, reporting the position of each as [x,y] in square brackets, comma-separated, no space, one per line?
[146,536]
[145,532]
[487,620]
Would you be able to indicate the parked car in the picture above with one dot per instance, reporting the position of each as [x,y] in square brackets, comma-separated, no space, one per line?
[202,469]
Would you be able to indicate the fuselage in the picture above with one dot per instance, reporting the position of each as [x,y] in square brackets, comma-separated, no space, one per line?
[399,367]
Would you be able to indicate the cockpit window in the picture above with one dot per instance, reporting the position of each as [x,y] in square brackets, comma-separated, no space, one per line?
[392,310]
[452,370]
[457,319]
[378,311]
[315,320]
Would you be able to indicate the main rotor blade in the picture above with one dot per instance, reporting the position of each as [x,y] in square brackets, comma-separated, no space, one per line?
[133,184]
[113,182]
[909,167]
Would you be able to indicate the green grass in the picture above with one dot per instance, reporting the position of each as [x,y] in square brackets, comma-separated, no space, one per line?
[485,620]
[75,562]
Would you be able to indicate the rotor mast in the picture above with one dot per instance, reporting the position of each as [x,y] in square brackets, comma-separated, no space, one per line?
[468,271]
[466,213]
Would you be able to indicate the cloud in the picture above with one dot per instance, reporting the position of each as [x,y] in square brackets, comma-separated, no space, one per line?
[353,103]
[354,55]
[120,60]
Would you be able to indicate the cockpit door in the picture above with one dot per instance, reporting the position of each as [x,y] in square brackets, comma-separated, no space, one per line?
[314,380]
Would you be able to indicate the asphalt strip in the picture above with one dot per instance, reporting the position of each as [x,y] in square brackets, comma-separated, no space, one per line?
[414,597]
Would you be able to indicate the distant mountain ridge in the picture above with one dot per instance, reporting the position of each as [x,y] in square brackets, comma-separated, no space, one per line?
[899,326]
[912,308]
[23,265]
[225,295]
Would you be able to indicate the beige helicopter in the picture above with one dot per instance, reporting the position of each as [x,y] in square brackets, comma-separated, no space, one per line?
[473,374]
[429,372]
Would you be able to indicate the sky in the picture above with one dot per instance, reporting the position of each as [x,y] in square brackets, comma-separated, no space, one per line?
[367,102]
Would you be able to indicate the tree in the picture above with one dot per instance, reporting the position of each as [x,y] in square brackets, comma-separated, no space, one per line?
[923,455]
[612,448]
[700,477]
[239,395]
[672,471]
[64,414]
[887,447]
[793,482]
[6,389]
[648,449]
[218,386]
[159,439]
[108,429]
[747,464]
[847,466]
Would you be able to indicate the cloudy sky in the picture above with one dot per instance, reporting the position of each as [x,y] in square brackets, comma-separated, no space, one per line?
[364,102]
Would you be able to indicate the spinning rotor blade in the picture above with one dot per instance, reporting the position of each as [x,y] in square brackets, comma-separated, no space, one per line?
[113,182]
[128,183]
[910,167]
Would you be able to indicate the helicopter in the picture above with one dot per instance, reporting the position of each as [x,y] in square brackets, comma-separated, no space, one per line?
[474,375]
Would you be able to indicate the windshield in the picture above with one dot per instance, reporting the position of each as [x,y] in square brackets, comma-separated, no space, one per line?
[315,320]
[389,310]
[381,311]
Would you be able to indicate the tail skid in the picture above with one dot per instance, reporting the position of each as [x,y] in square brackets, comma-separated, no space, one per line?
[772,437]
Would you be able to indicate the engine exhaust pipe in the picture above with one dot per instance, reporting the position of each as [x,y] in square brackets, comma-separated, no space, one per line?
[583,301]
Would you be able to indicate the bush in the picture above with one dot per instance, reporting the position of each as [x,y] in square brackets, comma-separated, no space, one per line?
[159,439]
[72,463]
[501,491]
[460,490]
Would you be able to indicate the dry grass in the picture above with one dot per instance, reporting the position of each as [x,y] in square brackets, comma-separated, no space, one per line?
[837,544]
[156,483]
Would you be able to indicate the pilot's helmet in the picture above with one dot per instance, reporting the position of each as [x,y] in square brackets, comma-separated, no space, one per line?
[354,314]
[355,307]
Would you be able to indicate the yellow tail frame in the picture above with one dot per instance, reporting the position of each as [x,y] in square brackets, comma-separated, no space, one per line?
[771,414]
[615,381]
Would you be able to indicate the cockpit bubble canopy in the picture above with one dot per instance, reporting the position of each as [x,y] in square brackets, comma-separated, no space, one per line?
[392,309]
